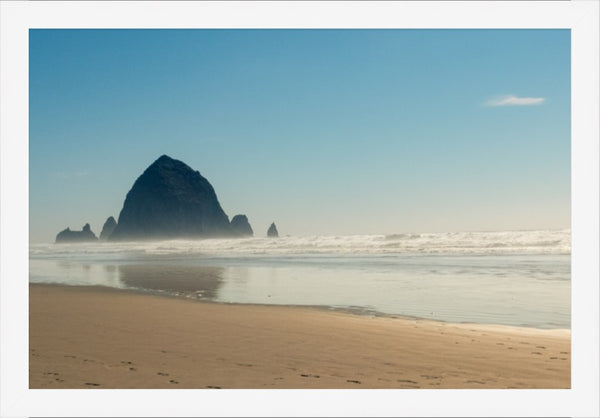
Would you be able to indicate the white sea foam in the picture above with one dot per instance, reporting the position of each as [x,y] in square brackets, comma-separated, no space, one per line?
[457,243]
[510,277]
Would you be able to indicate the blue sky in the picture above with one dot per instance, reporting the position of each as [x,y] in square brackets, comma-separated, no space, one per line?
[321,131]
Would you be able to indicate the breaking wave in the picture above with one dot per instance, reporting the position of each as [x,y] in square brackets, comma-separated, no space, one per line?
[451,243]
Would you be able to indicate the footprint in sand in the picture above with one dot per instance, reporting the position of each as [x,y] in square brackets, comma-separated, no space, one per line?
[214,387]
[553,358]
[316,376]
[162,374]
[406,381]
[536,352]
[564,352]
[126,362]
[244,364]
[476,381]
[353,381]
[133,369]
[92,384]
[540,346]
[175,382]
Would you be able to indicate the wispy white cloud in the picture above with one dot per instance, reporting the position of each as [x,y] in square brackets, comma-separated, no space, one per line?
[512,100]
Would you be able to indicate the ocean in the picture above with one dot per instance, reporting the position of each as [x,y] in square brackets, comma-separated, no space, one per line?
[517,278]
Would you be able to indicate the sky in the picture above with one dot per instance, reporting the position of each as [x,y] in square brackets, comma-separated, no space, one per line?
[320,131]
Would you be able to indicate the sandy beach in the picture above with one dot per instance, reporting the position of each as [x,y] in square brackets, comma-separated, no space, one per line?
[102,338]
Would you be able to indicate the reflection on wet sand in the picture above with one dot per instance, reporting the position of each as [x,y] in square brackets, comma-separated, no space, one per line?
[454,289]
[199,282]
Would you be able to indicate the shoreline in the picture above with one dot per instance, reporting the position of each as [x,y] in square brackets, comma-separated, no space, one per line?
[101,337]
[357,311]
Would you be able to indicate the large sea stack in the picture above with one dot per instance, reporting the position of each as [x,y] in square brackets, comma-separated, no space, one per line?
[85,235]
[170,200]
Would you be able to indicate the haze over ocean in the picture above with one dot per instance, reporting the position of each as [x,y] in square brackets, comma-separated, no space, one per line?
[325,132]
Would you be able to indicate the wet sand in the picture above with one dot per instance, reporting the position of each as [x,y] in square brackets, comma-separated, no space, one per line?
[102,338]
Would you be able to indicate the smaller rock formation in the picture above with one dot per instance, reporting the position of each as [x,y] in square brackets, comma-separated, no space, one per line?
[241,226]
[84,235]
[272,232]
[108,227]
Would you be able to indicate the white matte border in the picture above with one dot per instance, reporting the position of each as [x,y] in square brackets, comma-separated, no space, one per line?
[18,17]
